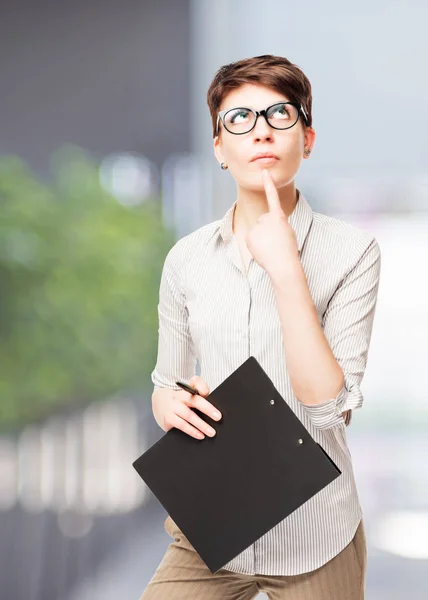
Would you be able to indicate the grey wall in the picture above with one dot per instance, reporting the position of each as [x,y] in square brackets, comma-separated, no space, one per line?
[106,75]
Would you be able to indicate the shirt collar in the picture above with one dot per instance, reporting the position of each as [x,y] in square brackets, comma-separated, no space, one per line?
[300,220]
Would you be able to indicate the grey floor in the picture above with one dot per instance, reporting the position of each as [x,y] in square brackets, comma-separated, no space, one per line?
[126,575]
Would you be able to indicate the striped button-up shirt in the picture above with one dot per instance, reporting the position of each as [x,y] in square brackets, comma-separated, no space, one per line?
[212,310]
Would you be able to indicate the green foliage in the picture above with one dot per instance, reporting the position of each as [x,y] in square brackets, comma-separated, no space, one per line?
[79,276]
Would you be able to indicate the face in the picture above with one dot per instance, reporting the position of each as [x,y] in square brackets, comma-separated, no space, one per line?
[237,151]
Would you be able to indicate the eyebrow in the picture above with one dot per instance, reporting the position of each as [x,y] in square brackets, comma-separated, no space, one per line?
[248,106]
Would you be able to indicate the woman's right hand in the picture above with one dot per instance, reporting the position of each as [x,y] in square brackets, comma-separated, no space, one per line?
[173,408]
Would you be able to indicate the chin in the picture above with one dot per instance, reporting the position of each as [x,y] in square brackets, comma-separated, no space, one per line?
[280,179]
[255,184]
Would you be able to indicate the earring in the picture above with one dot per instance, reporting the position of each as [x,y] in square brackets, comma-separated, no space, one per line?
[223,166]
[308,151]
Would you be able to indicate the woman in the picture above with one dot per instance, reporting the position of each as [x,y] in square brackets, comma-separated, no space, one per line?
[294,288]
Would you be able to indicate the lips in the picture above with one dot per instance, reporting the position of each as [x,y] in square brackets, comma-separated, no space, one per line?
[264,157]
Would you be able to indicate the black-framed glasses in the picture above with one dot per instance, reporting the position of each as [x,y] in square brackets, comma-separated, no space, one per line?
[281,115]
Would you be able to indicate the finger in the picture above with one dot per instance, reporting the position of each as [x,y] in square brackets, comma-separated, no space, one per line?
[199,402]
[191,417]
[183,425]
[201,385]
[271,193]
[205,407]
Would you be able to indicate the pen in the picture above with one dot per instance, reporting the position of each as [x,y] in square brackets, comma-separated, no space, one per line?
[188,388]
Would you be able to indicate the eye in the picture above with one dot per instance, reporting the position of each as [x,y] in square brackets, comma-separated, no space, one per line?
[281,111]
[238,115]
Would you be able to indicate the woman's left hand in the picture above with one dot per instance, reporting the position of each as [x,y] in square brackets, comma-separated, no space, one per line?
[272,241]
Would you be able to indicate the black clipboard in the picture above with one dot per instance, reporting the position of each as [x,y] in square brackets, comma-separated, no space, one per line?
[227,491]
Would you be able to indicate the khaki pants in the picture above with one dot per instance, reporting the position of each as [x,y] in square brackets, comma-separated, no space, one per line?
[182,575]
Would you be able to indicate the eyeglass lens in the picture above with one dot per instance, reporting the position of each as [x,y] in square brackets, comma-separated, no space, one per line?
[241,120]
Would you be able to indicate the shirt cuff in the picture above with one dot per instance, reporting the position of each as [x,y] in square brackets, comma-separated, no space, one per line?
[329,413]
[160,381]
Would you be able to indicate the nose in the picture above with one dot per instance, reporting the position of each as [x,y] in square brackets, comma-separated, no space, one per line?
[262,131]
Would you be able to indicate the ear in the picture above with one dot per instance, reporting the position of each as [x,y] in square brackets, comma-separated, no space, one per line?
[309,137]
[217,150]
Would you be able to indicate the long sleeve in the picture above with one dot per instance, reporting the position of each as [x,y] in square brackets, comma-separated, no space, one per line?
[347,325]
[176,357]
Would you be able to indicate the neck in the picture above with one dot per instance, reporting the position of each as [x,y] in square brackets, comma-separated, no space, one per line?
[251,205]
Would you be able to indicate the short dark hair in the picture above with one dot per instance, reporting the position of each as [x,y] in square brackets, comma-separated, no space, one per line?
[271,71]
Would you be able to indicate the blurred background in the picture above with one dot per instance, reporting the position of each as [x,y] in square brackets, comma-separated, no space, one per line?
[105,161]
